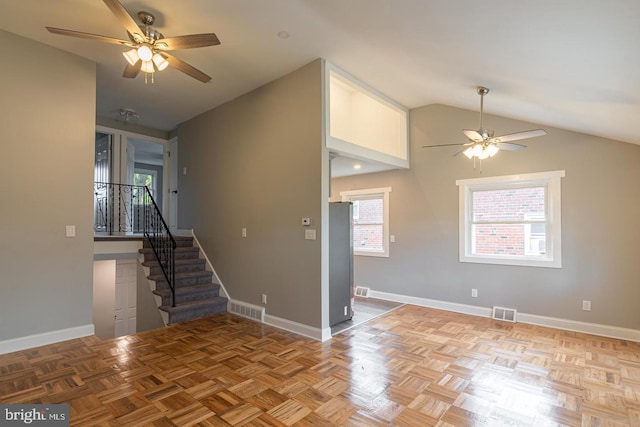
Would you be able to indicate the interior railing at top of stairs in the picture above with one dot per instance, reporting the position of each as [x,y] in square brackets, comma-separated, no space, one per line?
[122,209]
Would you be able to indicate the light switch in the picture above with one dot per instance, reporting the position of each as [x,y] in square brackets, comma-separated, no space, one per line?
[310,234]
[244,232]
[70,231]
[392,238]
[184,170]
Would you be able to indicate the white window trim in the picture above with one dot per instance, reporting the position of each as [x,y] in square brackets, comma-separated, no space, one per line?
[348,196]
[551,180]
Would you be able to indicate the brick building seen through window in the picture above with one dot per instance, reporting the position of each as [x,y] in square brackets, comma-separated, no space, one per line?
[509,222]
[367,224]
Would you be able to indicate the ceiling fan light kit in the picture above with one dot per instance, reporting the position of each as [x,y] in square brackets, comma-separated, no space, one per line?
[482,142]
[148,47]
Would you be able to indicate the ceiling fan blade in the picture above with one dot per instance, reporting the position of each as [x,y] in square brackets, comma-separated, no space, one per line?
[509,146]
[519,135]
[447,145]
[125,19]
[186,68]
[88,36]
[473,135]
[131,71]
[188,42]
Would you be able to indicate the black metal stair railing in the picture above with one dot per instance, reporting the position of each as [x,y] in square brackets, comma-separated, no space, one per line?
[118,208]
[129,210]
[162,242]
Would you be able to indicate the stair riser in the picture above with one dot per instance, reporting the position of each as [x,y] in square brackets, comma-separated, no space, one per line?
[180,268]
[200,312]
[180,243]
[179,255]
[192,296]
[188,281]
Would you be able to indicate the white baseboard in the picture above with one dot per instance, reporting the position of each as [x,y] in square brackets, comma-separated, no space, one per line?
[298,328]
[37,340]
[532,319]
[584,327]
[432,303]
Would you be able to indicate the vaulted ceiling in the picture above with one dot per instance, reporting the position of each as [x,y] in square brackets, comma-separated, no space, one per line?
[572,64]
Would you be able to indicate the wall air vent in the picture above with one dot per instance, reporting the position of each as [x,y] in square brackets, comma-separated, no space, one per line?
[506,314]
[361,291]
[247,310]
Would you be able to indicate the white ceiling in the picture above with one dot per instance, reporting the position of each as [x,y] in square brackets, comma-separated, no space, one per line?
[572,64]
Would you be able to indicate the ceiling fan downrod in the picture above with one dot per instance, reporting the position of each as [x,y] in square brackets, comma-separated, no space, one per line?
[482,91]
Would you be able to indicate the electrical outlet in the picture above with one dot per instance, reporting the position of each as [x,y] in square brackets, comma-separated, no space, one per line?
[586,305]
[264,298]
[244,232]
[474,293]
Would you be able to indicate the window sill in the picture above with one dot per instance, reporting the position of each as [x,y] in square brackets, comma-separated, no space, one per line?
[522,262]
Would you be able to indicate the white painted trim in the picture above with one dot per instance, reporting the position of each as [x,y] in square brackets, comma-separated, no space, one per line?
[584,327]
[370,193]
[113,249]
[319,334]
[128,134]
[325,195]
[210,266]
[45,338]
[346,148]
[432,303]
[551,180]
[532,319]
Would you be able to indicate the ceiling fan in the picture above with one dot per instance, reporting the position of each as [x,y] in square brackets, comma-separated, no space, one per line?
[482,144]
[150,48]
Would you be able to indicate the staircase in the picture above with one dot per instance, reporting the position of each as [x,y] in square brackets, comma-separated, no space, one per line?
[196,294]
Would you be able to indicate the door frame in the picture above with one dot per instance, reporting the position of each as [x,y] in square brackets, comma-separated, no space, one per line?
[119,151]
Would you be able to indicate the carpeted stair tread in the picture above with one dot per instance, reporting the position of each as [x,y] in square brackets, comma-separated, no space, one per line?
[182,275]
[178,262]
[196,294]
[187,289]
[182,265]
[178,249]
[181,241]
[195,309]
[189,293]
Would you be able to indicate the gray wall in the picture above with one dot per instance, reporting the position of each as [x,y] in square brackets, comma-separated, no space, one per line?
[600,226]
[255,162]
[46,174]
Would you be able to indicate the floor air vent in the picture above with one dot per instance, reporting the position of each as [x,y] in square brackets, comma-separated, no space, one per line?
[244,309]
[361,291]
[507,314]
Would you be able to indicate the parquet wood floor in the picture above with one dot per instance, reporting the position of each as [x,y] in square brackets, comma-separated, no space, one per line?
[411,367]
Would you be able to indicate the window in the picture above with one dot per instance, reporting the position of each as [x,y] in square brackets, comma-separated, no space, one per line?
[145,178]
[511,220]
[370,221]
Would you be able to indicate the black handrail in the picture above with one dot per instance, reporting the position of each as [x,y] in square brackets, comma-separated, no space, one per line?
[123,209]
[162,242]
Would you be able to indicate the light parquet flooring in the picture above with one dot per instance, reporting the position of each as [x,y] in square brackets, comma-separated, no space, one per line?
[411,367]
